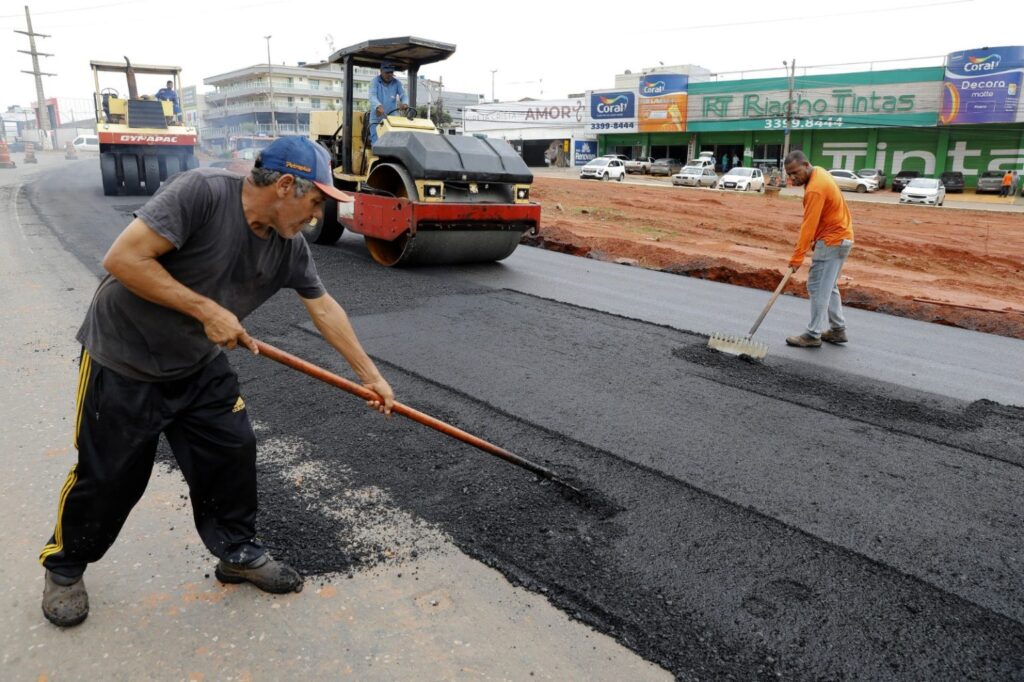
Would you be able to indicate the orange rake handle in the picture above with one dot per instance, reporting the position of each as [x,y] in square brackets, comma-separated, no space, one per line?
[447,429]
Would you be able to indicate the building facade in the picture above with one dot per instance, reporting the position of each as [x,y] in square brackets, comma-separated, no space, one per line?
[966,116]
[544,132]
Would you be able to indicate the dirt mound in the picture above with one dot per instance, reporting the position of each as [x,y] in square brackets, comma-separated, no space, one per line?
[959,268]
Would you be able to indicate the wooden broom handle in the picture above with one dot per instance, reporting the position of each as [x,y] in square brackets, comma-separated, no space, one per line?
[352,387]
[771,301]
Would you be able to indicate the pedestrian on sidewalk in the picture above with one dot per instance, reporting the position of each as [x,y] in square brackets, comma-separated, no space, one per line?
[827,230]
[208,249]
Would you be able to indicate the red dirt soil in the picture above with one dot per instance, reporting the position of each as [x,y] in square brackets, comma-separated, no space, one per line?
[967,265]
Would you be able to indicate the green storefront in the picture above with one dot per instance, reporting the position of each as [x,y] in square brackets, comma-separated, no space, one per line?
[876,119]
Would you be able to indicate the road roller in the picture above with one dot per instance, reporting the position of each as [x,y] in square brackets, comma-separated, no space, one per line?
[142,141]
[420,197]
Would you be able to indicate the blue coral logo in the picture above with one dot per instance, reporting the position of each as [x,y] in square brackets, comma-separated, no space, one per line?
[980,64]
[652,87]
[612,105]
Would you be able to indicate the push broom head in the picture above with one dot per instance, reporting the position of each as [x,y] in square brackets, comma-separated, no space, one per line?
[738,345]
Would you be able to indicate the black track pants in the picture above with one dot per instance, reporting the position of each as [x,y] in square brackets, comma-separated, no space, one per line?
[117,425]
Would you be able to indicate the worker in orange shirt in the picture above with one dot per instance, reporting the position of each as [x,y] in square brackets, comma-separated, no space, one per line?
[1004,191]
[827,230]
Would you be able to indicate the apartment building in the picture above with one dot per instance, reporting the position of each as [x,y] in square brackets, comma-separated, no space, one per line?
[251,105]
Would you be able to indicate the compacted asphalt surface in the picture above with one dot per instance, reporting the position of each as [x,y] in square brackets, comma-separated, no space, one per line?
[740,520]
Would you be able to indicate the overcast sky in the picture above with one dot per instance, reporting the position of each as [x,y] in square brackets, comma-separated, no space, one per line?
[539,49]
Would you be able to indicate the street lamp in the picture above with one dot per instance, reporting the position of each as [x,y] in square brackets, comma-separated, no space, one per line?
[270,80]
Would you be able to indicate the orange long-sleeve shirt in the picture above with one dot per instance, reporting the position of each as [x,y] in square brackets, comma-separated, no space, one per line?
[825,215]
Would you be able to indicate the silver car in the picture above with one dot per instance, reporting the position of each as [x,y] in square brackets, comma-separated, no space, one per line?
[666,166]
[990,181]
[695,176]
[848,180]
[875,174]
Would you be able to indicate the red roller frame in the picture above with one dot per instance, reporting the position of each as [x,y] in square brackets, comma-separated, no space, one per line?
[388,218]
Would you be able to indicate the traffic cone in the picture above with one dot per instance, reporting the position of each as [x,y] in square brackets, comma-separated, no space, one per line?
[5,156]
[30,153]
[70,153]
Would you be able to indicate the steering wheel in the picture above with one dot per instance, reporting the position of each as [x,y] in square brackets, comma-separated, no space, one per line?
[410,113]
[109,91]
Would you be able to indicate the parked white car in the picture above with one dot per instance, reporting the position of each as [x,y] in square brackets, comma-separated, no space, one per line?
[695,176]
[743,179]
[848,180]
[604,168]
[86,143]
[928,191]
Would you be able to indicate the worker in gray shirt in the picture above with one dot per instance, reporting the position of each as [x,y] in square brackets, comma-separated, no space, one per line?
[205,252]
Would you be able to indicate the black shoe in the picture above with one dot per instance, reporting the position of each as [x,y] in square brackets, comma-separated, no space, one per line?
[805,340]
[265,572]
[834,336]
[65,601]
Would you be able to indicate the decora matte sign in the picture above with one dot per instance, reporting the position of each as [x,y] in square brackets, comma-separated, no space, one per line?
[983,86]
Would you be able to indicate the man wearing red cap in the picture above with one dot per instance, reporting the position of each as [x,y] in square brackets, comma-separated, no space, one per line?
[208,249]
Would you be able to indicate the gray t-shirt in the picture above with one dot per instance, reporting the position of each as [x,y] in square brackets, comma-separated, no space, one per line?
[216,255]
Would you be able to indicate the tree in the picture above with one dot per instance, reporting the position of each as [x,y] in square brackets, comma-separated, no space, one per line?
[438,116]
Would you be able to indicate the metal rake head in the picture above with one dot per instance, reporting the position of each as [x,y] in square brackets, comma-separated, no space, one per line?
[738,345]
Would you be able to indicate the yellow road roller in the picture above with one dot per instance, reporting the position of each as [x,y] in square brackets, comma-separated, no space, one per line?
[421,197]
[142,142]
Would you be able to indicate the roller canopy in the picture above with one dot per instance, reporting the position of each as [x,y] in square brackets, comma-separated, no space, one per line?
[121,67]
[405,52]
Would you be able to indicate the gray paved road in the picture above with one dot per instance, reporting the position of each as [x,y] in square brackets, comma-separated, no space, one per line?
[927,357]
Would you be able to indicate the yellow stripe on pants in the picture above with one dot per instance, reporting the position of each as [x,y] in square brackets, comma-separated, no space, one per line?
[84,370]
[58,534]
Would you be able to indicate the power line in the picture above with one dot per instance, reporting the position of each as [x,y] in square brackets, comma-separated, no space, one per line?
[803,17]
[74,9]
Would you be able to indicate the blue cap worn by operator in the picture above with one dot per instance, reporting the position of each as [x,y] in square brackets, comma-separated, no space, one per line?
[302,158]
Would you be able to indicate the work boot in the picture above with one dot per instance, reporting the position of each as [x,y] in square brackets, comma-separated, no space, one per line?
[264,572]
[834,336]
[805,340]
[65,601]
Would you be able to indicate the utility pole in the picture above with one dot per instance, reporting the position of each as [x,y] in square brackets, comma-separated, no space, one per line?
[430,95]
[789,108]
[270,81]
[440,99]
[42,116]
[493,71]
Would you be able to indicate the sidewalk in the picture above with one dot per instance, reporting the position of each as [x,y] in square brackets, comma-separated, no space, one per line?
[156,610]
